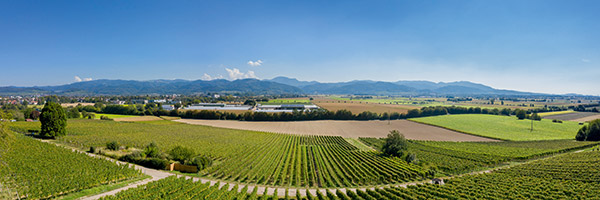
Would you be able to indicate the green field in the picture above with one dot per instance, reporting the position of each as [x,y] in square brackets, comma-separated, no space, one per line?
[39,170]
[251,157]
[287,101]
[504,127]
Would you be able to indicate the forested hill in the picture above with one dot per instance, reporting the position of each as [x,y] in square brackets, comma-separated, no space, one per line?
[276,86]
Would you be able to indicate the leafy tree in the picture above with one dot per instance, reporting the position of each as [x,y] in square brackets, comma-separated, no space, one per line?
[521,114]
[152,150]
[73,113]
[395,144]
[54,120]
[590,132]
[181,154]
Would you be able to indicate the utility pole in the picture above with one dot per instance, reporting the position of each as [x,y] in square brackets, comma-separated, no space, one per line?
[389,117]
[531,118]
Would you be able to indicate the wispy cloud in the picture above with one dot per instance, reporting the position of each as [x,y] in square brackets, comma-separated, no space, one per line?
[78,79]
[585,60]
[207,77]
[255,63]
[237,74]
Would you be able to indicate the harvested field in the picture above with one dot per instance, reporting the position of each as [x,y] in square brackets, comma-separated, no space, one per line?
[575,116]
[356,107]
[587,119]
[348,129]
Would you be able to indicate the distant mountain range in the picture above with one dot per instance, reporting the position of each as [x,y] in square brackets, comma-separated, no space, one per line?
[275,86]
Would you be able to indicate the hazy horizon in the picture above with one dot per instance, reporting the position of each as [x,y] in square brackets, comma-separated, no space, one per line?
[533,46]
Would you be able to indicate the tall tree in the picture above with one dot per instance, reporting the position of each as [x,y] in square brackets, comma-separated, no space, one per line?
[54,120]
[395,144]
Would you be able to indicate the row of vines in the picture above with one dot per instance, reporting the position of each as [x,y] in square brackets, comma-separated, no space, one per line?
[569,176]
[37,170]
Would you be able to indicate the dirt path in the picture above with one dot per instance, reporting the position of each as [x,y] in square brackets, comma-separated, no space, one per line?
[347,129]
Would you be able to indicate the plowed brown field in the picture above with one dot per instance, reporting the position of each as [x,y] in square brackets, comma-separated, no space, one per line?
[352,129]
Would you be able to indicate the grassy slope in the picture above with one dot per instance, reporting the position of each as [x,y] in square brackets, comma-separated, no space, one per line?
[504,127]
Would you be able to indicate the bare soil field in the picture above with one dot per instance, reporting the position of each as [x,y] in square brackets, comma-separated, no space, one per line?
[137,119]
[576,116]
[347,129]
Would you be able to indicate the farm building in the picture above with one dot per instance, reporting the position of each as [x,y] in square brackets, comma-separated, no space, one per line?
[284,108]
[168,107]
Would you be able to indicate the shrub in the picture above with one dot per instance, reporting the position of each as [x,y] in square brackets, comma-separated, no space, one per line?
[181,154]
[155,163]
[133,157]
[105,118]
[202,162]
[411,158]
[92,149]
[536,117]
[114,145]
[152,150]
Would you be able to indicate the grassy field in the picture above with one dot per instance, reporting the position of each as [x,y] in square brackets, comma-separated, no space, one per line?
[504,127]
[360,106]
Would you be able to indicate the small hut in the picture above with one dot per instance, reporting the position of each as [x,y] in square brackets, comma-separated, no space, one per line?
[437,181]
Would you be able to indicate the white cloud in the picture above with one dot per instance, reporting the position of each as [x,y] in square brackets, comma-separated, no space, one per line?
[255,63]
[78,79]
[585,60]
[237,74]
[207,77]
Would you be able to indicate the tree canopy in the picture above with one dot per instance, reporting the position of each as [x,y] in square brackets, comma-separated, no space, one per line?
[590,132]
[395,144]
[54,120]
[521,114]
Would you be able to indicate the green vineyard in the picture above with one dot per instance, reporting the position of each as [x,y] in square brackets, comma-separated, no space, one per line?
[578,181]
[314,161]
[37,170]
[460,157]
[253,157]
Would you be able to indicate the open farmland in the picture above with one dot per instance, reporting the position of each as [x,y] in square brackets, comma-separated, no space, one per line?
[353,129]
[359,106]
[575,116]
[504,127]
[127,118]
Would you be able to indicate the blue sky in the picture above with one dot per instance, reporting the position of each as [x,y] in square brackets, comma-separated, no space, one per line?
[539,46]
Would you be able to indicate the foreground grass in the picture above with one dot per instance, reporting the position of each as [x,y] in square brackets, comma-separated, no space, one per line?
[504,127]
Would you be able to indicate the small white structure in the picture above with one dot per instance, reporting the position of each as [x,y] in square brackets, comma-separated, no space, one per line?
[168,107]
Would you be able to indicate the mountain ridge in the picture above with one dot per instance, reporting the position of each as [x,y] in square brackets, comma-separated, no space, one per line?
[276,86]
